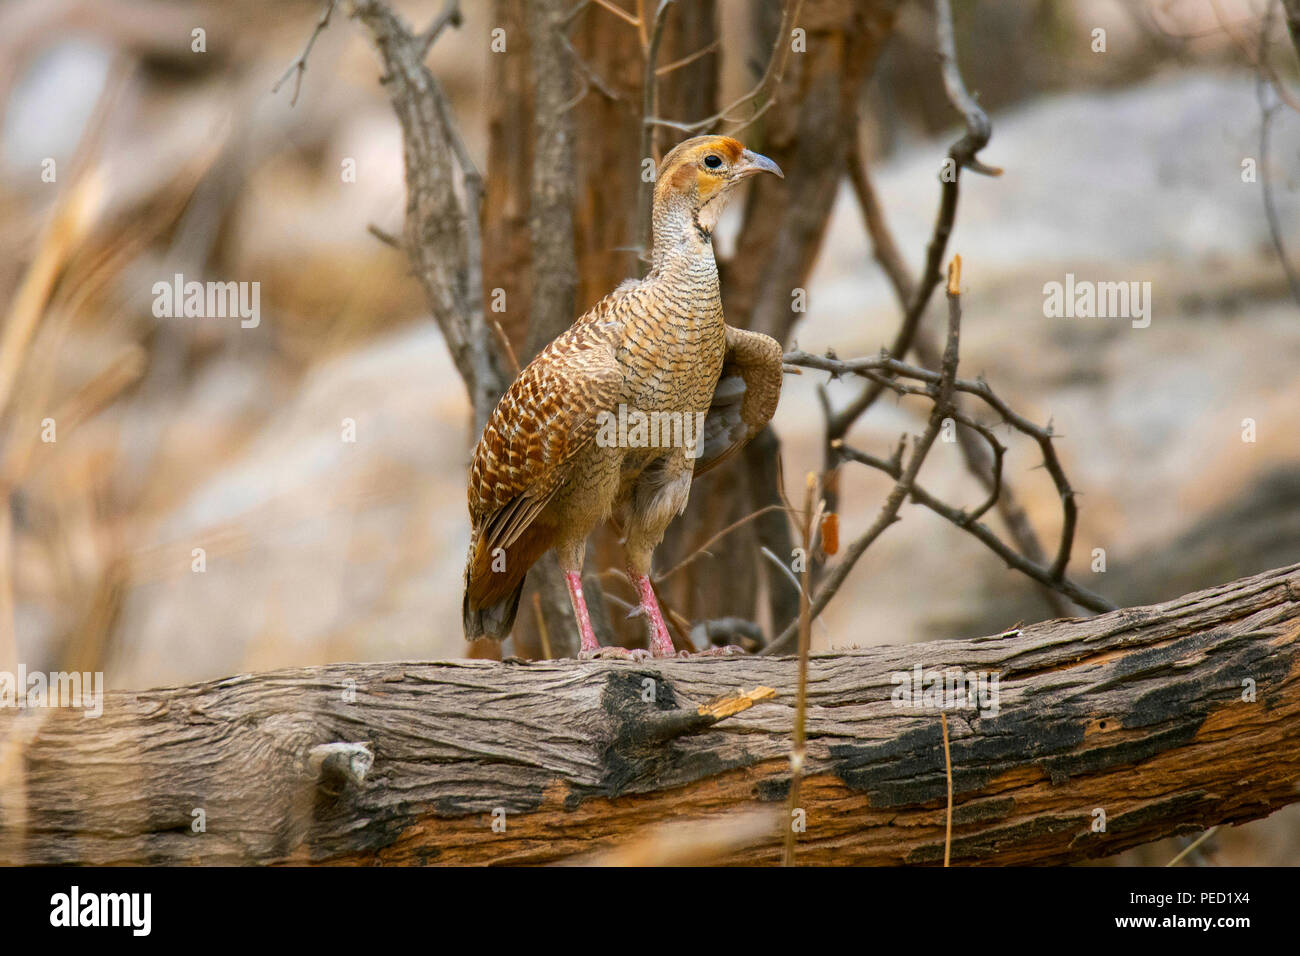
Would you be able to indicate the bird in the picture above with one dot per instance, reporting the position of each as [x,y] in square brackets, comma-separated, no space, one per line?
[622,411]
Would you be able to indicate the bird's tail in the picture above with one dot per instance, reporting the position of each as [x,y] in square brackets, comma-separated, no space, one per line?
[491,620]
[492,593]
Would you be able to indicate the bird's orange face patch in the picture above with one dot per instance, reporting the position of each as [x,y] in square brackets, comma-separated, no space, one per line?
[687,165]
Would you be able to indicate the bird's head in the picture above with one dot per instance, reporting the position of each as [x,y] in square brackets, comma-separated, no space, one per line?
[699,175]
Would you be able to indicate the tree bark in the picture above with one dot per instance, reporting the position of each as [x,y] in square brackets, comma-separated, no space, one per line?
[1158,720]
[808,131]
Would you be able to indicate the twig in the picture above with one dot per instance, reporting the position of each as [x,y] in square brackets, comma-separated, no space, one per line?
[1036,569]
[987,470]
[961,155]
[943,393]
[1193,845]
[387,238]
[947,766]
[703,549]
[799,742]
[781,566]
[883,247]
[1037,572]
[618,12]
[450,16]
[649,105]
[590,77]
[688,59]
[542,631]
[299,66]
[763,92]
[506,348]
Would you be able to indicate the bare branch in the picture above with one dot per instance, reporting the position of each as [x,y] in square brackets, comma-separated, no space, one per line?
[704,548]
[1053,576]
[763,93]
[883,247]
[387,238]
[299,66]
[442,235]
[450,16]
[688,59]
[967,522]
[649,104]
[961,155]
[943,407]
[618,12]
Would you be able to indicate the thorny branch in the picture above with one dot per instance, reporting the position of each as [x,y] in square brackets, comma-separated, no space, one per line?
[943,386]
[986,466]
[961,155]
[983,453]
[299,66]
[888,373]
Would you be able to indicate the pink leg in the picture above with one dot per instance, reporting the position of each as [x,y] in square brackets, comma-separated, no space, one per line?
[589,642]
[661,643]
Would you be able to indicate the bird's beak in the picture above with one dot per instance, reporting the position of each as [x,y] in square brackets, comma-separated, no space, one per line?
[752,163]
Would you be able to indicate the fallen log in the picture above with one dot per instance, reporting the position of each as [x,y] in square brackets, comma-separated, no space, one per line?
[1097,735]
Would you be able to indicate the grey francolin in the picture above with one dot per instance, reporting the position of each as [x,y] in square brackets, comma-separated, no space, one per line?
[617,415]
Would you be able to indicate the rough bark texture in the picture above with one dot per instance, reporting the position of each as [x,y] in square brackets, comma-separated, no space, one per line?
[808,131]
[528,247]
[507,249]
[1138,713]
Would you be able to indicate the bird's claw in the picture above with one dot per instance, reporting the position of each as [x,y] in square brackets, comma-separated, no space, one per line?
[614,654]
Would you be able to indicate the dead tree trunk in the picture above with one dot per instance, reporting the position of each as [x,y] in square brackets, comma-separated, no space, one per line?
[1154,720]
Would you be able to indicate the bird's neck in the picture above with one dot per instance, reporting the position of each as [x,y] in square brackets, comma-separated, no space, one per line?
[683,246]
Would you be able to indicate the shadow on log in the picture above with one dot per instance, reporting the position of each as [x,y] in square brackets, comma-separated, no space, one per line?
[1153,720]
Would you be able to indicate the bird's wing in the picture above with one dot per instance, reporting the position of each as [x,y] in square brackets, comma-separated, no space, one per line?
[744,399]
[547,415]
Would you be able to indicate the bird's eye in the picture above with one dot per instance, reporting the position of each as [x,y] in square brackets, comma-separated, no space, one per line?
[713,162]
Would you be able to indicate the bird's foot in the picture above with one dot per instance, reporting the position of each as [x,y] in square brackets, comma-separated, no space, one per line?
[614,654]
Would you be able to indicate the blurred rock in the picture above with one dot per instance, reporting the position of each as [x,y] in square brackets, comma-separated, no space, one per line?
[317,548]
